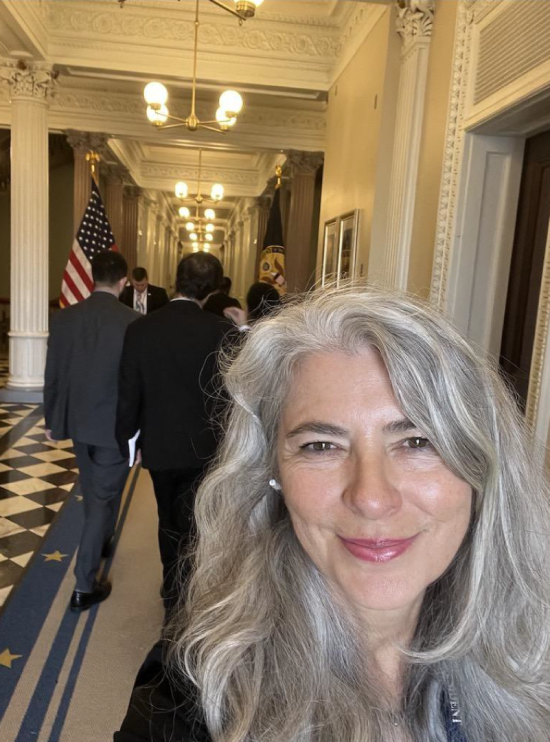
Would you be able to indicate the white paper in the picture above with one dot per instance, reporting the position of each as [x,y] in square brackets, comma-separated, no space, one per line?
[132,448]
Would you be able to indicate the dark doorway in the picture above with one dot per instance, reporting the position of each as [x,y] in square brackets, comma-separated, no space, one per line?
[527,264]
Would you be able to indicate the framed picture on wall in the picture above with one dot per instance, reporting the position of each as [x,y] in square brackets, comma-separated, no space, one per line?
[330,251]
[347,245]
[340,248]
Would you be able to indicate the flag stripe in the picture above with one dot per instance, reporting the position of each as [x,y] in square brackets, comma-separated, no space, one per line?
[73,289]
[77,270]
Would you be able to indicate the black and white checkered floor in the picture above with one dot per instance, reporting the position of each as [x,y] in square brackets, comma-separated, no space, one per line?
[36,477]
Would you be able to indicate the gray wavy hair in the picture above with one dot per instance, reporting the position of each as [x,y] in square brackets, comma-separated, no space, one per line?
[275,658]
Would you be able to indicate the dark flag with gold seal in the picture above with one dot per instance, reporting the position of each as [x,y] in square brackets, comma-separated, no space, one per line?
[272,259]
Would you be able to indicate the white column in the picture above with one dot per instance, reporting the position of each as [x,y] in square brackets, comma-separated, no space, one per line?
[30,87]
[414,24]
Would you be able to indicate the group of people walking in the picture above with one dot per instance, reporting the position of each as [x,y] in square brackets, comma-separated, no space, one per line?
[121,374]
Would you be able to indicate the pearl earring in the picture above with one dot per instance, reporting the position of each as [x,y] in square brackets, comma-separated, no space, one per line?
[275,484]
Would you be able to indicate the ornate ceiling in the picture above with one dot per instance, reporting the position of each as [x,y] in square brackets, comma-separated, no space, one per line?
[283,62]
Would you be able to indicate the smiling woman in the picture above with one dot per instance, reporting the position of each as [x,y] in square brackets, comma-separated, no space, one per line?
[372,561]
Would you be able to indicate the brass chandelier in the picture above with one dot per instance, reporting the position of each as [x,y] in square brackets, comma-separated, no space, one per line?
[200,227]
[230,102]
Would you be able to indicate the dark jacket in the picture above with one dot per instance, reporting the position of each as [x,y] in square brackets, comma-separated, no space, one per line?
[156,297]
[159,711]
[168,385]
[220,301]
[80,387]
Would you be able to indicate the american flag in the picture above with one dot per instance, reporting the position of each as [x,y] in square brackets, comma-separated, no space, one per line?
[94,236]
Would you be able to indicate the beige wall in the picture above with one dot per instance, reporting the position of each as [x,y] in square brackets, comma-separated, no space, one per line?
[432,147]
[354,115]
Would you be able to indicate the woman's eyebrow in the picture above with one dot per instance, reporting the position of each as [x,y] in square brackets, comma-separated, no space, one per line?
[316,426]
[399,426]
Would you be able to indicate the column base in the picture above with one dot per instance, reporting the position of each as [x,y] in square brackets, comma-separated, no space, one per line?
[27,357]
[25,396]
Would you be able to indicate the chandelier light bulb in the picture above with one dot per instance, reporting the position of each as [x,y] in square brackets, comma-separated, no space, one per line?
[182,190]
[206,248]
[216,194]
[184,212]
[208,237]
[157,116]
[209,228]
[231,102]
[209,214]
[195,246]
[193,236]
[190,227]
[155,94]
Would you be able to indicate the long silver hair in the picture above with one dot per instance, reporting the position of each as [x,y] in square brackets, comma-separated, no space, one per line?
[273,655]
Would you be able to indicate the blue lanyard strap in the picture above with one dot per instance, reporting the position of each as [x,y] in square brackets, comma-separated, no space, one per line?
[453,719]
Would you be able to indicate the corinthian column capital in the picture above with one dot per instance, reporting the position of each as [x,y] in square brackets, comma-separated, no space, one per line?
[414,19]
[26,80]
[84,141]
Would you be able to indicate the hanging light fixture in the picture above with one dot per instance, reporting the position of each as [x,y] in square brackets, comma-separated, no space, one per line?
[200,228]
[230,102]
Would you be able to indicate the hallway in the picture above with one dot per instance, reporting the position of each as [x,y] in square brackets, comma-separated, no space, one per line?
[67,677]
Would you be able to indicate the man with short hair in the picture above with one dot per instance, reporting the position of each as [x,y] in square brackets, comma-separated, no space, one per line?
[221,300]
[168,374]
[142,295]
[80,400]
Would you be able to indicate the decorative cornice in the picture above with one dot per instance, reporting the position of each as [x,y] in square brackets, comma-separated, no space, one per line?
[154,26]
[414,19]
[26,80]
[208,174]
[132,193]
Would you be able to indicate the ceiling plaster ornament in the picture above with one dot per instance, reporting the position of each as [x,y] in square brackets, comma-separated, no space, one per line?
[26,80]
[212,34]
[231,177]
[414,19]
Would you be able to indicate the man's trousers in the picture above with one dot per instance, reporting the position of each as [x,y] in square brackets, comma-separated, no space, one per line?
[175,494]
[103,473]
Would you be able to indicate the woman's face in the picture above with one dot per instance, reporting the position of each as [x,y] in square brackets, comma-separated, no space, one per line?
[371,502]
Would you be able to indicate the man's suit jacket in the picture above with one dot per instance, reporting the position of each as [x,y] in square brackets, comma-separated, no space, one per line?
[156,297]
[80,389]
[168,374]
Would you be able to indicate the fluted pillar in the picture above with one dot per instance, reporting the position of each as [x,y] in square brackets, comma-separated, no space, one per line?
[129,245]
[114,195]
[414,25]
[30,88]
[83,142]
[303,168]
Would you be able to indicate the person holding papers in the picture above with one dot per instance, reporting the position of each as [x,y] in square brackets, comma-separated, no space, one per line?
[167,391]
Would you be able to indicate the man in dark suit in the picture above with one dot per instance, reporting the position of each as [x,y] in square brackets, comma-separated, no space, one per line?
[221,300]
[80,400]
[142,295]
[168,372]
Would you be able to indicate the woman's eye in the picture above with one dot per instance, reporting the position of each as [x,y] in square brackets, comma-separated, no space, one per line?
[318,446]
[418,442]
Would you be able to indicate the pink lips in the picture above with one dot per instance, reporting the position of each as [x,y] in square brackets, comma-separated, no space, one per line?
[377,550]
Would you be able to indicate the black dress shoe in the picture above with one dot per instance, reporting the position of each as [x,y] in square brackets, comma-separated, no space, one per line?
[81,601]
[108,549]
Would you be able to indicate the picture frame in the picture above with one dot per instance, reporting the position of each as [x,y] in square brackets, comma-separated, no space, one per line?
[330,251]
[340,248]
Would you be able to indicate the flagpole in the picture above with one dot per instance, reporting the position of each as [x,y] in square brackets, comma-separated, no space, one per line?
[93,158]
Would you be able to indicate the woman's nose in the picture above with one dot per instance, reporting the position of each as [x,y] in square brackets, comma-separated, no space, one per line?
[371,490]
